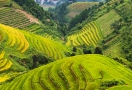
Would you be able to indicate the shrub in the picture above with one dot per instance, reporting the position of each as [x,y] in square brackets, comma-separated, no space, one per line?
[130,65]
[106,84]
[98,50]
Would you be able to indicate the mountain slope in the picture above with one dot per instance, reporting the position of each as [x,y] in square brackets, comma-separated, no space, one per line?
[90,34]
[18,18]
[17,49]
[78,7]
[114,20]
[107,25]
[22,41]
[80,72]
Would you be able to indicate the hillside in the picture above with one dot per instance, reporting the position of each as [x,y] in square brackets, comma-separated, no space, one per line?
[22,41]
[19,48]
[49,50]
[9,3]
[87,72]
[17,15]
[113,18]
[12,14]
[16,18]
[78,7]
[90,34]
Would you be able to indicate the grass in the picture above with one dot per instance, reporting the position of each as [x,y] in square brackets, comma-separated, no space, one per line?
[78,72]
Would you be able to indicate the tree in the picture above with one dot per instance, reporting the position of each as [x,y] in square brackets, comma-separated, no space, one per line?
[10,5]
[73,54]
[79,18]
[94,0]
[74,49]
[87,49]
[34,9]
[130,65]
[62,28]
[98,50]
[43,59]
[73,0]
[101,4]
[35,60]
[107,1]
[121,1]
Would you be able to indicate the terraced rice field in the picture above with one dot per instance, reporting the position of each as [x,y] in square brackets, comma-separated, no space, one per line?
[5,64]
[34,28]
[15,39]
[90,34]
[47,36]
[49,47]
[22,41]
[19,19]
[82,72]
[77,8]
[9,16]
[106,20]
[4,2]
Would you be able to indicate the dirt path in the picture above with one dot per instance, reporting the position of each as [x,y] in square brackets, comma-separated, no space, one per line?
[32,19]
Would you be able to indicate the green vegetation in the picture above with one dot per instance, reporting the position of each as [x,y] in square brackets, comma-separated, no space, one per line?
[64,11]
[80,72]
[125,87]
[106,20]
[78,7]
[114,20]
[15,18]
[90,35]
[22,41]
[120,38]
[72,61]
[8,68]
[9,3]
[34,28]
[19,47]
[4,63]
[36,10]
[4,2]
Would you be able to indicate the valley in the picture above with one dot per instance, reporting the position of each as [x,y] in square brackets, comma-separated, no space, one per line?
[72,46]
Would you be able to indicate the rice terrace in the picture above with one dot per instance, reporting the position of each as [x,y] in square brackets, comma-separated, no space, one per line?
[72,45]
